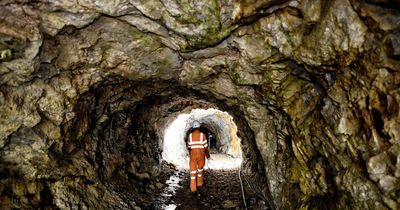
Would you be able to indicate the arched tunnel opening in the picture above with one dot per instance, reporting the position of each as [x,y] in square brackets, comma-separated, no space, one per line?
[135,141]
[220,130]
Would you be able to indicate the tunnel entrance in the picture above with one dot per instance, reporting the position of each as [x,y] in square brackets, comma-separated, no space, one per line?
[221,130]
[212,141]
[134,144]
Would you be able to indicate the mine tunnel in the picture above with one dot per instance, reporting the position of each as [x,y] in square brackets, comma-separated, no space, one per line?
[135,141]
[299,100]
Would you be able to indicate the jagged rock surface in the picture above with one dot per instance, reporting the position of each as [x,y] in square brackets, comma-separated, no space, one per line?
[86,89]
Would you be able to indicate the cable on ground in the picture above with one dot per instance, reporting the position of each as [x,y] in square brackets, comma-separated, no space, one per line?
[241,186]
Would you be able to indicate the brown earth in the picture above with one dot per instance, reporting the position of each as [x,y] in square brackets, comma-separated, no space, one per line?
[221,190]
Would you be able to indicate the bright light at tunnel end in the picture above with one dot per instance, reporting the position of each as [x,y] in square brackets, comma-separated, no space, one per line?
[229,155]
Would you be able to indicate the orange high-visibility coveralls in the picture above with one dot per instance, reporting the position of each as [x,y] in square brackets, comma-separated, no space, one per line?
[198,150]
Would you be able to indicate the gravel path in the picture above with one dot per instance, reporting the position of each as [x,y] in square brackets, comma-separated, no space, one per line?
[221,190]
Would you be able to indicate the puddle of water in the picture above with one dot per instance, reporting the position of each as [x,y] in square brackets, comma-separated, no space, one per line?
[170,207]
[169,191]
[173,183]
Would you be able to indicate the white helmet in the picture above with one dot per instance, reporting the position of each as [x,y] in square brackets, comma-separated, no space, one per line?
[196,124]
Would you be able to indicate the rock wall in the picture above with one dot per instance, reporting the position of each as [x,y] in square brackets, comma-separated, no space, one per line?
[87,86]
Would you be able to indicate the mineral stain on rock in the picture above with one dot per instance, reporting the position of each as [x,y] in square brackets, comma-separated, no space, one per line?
[88,88]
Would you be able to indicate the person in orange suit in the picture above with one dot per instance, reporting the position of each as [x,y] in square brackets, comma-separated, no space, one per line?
[198,150]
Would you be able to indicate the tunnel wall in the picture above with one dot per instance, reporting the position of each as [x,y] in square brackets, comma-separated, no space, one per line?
[312,86]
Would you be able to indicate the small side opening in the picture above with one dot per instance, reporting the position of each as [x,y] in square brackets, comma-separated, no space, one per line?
[212,142]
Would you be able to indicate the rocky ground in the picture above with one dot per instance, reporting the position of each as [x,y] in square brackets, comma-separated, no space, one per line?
[221,190]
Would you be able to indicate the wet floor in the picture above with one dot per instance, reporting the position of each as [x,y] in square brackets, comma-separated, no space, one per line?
[221,190]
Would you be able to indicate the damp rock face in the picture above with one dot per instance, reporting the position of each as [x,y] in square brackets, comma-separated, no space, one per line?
[87,89]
